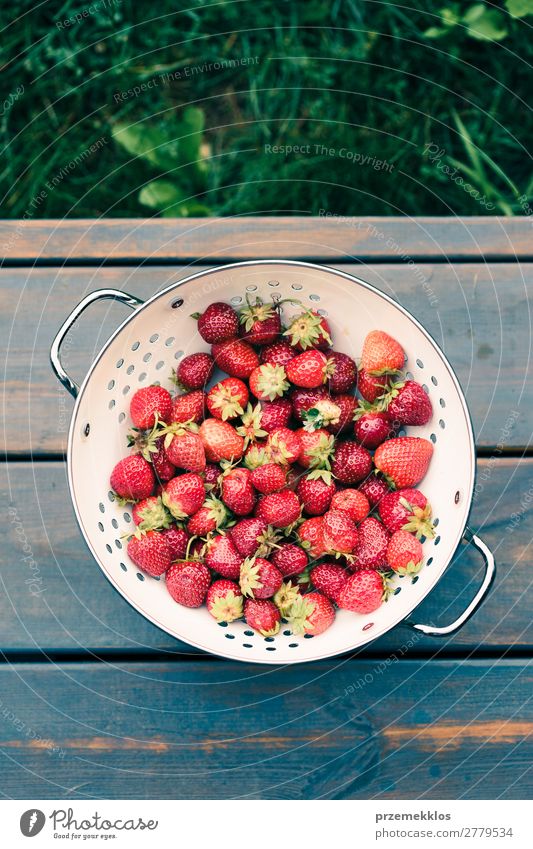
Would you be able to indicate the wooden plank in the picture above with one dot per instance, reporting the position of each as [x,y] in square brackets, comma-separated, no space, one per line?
[64,603]
[346,731]
[478,314]
[328,236]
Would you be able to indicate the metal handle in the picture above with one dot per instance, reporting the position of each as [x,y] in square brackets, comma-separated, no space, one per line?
[99,295]
[490,572]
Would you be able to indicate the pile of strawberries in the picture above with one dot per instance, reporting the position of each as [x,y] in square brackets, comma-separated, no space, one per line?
[284,491]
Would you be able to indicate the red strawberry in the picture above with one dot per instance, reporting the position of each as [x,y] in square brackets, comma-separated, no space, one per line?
[404,460]
[262,615]
[351,463]
[304,399]
[283,446]
[407,510]
[252,536]
[278,354]
[309,330]
[279,509]
[224,601]
[316,448]
[268,382]
[371,551]
[311,614]
[372,386]
[194,371]
[343,372]
[132,478]
[308,370]
[374,488]
[381,353]
[188,582]
[218,323]
[211,516]
[316,493]
[150,551]
[221,441]
[285,597]
[289,559]
[177,540]
[223,557]
[236,358]
[409,404]
[275,414]
[211,475]
[269,478]
[311,535]
[227,399]
[259,578]
[340,532]
[260,323]
[149,403]
[150,514]
[184,495]
[363,592]
[163,468]
[346,405]
[251,425]
[185,449]
[189,407]
[372,428]
[329,578]
[238,492]
[353,502]
[404,553]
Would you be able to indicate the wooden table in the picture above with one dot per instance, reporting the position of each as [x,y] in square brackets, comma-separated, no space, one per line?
[96,702]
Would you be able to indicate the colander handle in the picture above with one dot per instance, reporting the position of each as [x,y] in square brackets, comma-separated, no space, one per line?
[55,350]
[490,572]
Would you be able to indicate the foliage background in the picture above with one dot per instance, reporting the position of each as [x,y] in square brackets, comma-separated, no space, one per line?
[383,80]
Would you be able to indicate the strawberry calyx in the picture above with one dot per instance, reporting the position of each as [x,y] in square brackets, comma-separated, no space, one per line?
[306,330]
[154,517]
[225,401]
[249,577]
[257,456]
[299,615]
[218,511]
[410,568]
[322,414]
[272,381]
[365,407]
[320,455]
[177,429]
[387,586]
[321,474]
[143,442]
[285,598]
[227,608]
[420,522]
[253,313]
[267,541]
[250,428]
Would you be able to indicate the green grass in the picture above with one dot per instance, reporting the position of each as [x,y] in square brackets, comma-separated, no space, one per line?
[425,94]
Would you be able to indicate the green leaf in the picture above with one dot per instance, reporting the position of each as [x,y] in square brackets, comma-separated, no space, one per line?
[436,32]
[189,209]
[162,195]
[485,24]
[519,8]
[141,140]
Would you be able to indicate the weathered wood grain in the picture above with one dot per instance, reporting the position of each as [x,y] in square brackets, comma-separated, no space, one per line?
[479,314]
[66,604]
[325,237]
[348,730]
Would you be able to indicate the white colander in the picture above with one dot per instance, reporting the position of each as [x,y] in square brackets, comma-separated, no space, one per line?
[146,347]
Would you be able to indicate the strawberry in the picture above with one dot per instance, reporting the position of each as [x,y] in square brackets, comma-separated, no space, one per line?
[372,428]
[285,597]
[404,553]
[262,615]
[260,323]
[351,463]
[408,404]
[211,516]
[148,404]
[184,495]
[221,441]
[371,386]
[324,414]
[177,540]
[304,399]
[269,478]
[309,330]
[315,492]
[343,372]
[268,382]
[251,426]
[252,536]
[150,514]
[340,532]
[224,601]
[227,399]
[259,578]
[211,475]
[278,354]
[132,479]
[311,614]
[163,468]
[316,448]
[289,559]
[311,536]
[275,414]
[222,556]
[371,550]
[329,578]
[150,551]
[283,446]
[353,502]
[363,592]
[188,582]
[381,353]
[346,405]
[235,357]
[194,371]
[189,407]
[238,492]
[218,323]
[308,370]
[185,449]
[407,510]
[404,460]
[374,488]
[279,509]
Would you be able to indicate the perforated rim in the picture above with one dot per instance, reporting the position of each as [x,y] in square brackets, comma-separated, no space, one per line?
[466,499]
